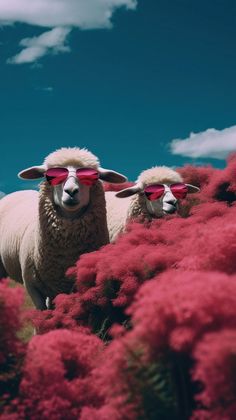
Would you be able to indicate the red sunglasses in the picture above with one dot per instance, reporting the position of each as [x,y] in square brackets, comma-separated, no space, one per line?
[155,191]
[86,176]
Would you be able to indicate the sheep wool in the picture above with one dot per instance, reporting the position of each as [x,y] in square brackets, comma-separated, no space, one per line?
[64,240]
[72,156]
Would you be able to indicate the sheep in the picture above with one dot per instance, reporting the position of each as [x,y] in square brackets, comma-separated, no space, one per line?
[135,200]
[43,233]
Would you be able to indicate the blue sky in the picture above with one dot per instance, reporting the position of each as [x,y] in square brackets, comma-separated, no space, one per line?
[128,80]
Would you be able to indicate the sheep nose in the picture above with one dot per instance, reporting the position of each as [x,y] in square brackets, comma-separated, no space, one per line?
[71,191]
[171,201]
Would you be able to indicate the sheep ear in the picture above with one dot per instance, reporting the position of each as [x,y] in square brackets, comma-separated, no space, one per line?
[127,192]
[34,172]
[111,176]
[192,189]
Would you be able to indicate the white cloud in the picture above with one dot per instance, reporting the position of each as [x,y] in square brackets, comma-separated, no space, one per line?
[58,14]
[85,14]
[211,143]
[49,42]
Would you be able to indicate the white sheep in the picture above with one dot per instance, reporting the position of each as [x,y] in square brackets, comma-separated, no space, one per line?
[151,197]
[43,233]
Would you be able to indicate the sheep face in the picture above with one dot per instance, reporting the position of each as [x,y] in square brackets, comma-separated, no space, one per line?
[72,195]
[70,174]
[167,204]
[158,203]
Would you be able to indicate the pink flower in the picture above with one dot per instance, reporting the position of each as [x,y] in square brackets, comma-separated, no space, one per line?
[56,382]
[216,370]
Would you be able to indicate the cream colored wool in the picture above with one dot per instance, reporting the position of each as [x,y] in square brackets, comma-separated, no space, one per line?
[159,174]
[37,245]
[121,210]
[72,156]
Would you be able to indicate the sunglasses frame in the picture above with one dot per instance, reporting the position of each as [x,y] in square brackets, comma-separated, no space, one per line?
[162,190]
[59,179]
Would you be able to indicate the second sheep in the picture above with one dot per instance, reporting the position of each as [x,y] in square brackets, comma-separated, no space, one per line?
[155,194]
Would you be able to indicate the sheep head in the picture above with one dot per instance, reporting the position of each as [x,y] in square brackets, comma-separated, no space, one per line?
[71,174]
[160,189]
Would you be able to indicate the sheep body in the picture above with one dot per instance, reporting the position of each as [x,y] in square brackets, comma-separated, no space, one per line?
[117,213]
[41,252]
[15,227]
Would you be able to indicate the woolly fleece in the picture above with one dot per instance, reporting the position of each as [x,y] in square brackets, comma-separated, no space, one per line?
[72,156]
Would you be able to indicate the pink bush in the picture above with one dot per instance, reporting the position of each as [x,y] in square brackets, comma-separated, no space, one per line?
[116,187]
[199,176]
[178,308]
[11,347]
[216,368]
[215,184]
[223,184]
[56,381]
[179,318]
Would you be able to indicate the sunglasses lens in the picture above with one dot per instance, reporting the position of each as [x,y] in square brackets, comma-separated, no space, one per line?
[87,176]
[56,176]
[179,190]
[153,192]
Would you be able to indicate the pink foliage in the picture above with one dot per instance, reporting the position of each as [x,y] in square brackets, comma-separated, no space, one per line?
[199,176]
[216,369]
[66,315]
[56,382]
[217,184]
[177,308]
[11,301]
[223,184]
[180,316]
[116,187]
[11,347]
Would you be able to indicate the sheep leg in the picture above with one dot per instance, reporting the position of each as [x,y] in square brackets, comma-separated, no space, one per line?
[37,298]
[3,272]
[49,303]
